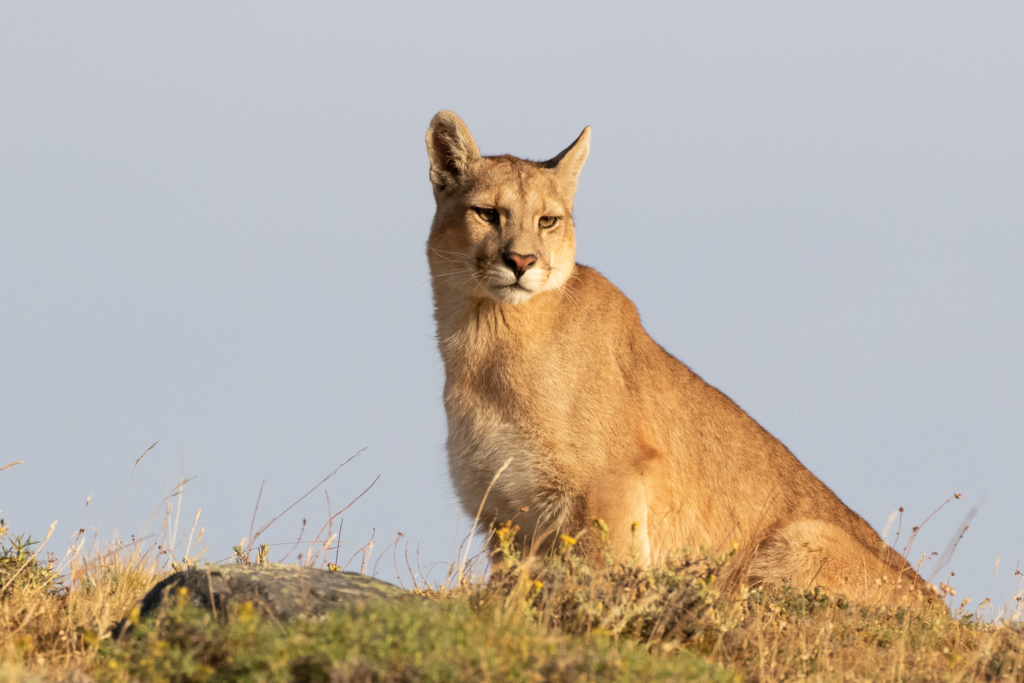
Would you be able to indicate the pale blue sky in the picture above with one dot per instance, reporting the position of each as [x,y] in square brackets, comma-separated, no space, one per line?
[212,227]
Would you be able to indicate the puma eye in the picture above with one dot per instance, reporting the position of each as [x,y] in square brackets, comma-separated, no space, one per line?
[489,215]
[548,221]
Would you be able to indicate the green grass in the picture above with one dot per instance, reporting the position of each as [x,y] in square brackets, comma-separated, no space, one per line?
[552,619]
[412,640]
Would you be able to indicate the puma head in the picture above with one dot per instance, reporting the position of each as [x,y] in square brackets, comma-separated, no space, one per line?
[503,228]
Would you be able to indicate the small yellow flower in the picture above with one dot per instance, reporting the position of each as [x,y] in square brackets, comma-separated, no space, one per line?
[568,540]
[246,612]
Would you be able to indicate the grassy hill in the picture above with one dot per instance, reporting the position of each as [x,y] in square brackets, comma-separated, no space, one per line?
[558,619]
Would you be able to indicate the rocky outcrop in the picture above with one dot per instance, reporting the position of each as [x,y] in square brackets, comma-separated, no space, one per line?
[281,591]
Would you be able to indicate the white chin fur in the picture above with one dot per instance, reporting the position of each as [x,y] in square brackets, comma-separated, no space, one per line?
[503,286]
[510,295]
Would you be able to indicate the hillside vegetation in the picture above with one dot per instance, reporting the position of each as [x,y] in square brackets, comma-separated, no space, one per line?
[558,619]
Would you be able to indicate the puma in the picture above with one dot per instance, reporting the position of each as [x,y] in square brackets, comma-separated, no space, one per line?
[549,371]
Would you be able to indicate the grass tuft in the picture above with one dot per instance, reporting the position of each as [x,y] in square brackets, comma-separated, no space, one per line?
[411,640]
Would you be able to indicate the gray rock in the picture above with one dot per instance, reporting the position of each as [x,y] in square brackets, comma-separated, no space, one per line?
[281,591]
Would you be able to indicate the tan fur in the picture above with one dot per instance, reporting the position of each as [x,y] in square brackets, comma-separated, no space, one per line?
[600,422]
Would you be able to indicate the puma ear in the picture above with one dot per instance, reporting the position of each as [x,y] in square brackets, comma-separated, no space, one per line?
[570,162]
[451,150]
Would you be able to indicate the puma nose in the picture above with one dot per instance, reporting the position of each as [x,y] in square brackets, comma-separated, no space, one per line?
[519,263]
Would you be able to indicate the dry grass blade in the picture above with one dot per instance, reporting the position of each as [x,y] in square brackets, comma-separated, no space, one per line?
[331,517]
[947,554]
[252,522]
[303,497]
[128,486]
[476,521]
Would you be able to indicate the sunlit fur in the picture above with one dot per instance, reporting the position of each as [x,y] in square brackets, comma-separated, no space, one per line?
[599,421]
